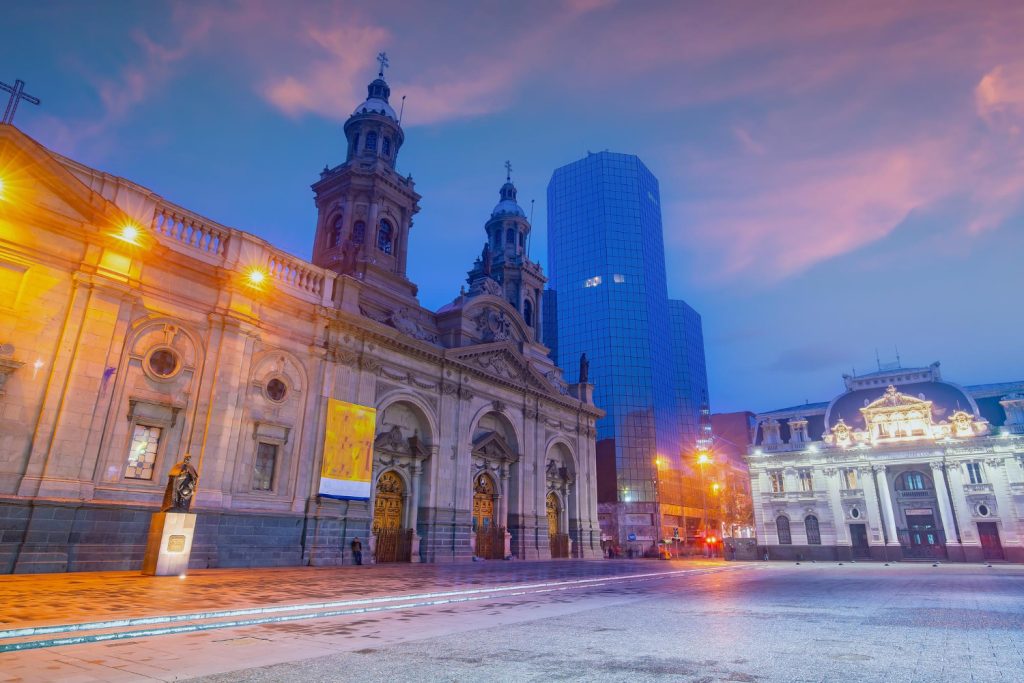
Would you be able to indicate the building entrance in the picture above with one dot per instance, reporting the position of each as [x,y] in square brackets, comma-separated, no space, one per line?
[559,541]
[921,540]
[393,543]
[991,547]
[490,539]
[859,541]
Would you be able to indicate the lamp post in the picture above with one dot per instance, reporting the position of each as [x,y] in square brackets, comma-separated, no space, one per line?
[702,460]
[657,503]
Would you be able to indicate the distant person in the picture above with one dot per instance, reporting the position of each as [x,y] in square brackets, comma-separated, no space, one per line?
[357,550]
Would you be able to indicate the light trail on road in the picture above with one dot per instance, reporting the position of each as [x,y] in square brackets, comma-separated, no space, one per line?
[278,614]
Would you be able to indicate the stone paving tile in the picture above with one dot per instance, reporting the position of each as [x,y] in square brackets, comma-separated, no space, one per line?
[45,599]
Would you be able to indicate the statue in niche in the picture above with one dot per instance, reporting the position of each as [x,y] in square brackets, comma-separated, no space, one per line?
[181,486]
[348,258]
[485,260]
[584,368]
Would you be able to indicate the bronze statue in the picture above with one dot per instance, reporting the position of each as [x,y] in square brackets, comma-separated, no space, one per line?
[584,368]
[181,485]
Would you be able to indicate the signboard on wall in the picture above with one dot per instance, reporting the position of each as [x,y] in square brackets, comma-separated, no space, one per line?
[348,451]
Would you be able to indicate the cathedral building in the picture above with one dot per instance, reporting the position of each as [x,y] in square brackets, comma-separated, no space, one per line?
[902,465]
[134,331]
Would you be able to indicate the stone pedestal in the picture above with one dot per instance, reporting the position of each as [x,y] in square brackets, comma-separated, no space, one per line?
[169,544]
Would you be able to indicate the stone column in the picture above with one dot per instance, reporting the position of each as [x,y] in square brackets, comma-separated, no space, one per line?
[872,518]
[504,507]
[997,473]
[945,511]
[836,505]
[968,531]
[414,508]
[888,518]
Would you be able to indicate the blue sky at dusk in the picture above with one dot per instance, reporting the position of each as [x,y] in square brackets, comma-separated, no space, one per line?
[835,177]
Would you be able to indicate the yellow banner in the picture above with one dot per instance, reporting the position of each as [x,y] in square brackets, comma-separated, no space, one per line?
[348,450]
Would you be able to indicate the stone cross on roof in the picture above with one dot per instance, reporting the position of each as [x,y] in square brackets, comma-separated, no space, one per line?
[17,94]
[382,59]
[508,171]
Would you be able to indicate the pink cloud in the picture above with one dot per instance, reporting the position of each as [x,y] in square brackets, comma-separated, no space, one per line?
[999,97]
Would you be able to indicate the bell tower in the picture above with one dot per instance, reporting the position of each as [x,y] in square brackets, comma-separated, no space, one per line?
[365,207]
[504,267]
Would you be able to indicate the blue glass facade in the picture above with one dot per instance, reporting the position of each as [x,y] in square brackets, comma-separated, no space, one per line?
[606,264]
[691,376]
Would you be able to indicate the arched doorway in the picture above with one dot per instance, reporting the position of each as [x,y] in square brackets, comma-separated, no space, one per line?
[490,538]
[393,543]
[558,538]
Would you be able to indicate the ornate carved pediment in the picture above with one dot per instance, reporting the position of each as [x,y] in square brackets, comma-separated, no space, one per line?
[492,446]
[403,320]
[506,365]
[493,325]
[392,440]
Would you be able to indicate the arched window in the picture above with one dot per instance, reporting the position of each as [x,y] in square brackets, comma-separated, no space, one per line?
[510,236]
[782,526]
[913,481]
[528,312]
[371,141]
[386,147]
[813,531]
[336,230]
[385,237]
[359,232]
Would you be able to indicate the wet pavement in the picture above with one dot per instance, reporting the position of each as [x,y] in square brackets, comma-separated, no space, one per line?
[601,620]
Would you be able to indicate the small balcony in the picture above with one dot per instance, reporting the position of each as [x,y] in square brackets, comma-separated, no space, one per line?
[847,494]
[915,494]
[1017,488]
[978,489]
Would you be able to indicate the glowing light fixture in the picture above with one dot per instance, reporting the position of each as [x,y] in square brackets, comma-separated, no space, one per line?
[703,459]
[1,188]
[256,276]
[129,233]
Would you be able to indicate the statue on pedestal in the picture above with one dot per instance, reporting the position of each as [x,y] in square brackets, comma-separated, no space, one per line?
[181,486]
[584,368]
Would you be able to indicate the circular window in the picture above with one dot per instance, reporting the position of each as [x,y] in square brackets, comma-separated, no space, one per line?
[855,513]
[276,390]
[983,510]
[163,363]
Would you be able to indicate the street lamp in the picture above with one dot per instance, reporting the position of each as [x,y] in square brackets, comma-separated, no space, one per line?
[703,459]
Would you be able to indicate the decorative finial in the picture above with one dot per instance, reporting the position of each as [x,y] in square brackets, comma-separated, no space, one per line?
[382,58]
[508,171]
[17,95]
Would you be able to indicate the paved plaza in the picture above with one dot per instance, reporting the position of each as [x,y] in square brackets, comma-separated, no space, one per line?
[597,620]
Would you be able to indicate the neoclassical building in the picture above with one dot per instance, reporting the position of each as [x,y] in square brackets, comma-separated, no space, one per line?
[135,331]
[903,465]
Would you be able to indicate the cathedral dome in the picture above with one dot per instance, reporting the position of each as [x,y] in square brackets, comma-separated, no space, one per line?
[376,102]
[508,206]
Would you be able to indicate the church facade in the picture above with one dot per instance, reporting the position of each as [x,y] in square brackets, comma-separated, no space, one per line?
[901,466]
[134,331]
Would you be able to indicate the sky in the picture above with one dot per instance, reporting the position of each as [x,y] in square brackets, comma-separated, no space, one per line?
[836,178]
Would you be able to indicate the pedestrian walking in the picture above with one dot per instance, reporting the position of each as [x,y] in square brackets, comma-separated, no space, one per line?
[357,550]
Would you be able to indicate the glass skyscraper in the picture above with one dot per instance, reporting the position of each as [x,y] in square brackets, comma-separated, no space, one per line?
[608,298]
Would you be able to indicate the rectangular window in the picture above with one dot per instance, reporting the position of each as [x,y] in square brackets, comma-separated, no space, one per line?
[592,281]
[974,472]
[850,478]
[263,469]
[806,480]
[618,278]
[778,483]
[142,455]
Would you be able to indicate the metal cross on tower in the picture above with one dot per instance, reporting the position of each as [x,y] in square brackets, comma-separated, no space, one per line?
[382,57]
[17,94]
[508,171]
